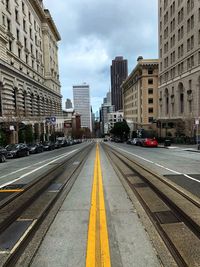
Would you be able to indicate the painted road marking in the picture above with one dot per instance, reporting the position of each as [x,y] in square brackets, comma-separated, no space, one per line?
[98,252]
[28,173]
[11,190]
[157,164]
[27,167]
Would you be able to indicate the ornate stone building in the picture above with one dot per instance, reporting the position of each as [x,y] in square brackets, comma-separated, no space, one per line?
[140,92]
[29,75]
[179,70]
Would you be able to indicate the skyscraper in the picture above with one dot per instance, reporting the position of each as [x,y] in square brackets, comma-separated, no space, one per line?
[119,72]
[81,94]
[68,103]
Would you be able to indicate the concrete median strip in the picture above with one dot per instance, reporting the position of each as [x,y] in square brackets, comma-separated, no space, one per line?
[98,252]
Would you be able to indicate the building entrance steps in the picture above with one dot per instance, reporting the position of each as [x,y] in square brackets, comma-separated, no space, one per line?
[66,241]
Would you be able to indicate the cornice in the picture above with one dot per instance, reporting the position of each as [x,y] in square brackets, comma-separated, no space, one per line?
[52,25]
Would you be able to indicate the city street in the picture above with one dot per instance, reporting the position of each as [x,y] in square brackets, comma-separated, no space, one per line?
[25,169]
[177,164]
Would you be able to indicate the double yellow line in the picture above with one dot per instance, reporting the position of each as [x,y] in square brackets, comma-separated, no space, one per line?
[98,253]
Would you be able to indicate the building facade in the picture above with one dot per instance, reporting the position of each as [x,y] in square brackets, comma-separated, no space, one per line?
[140,94]
[29,75]
[81,95]
[179,70]
[114,117]
[118,72]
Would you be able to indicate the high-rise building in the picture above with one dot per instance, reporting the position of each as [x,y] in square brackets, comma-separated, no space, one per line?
[81,94]
[140,94]
[68,103]
[179,71]
[119,72]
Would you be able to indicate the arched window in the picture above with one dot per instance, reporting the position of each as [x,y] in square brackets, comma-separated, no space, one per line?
[38,106]
[24,103]
[32,103]
[181,98]
[15,93]
[1,104]
[166,101]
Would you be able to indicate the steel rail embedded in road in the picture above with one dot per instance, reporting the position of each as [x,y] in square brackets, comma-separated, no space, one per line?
[23,212]
[175,215]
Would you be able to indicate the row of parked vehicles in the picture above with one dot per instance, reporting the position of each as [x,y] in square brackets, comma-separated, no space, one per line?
[21,150]
[147,142]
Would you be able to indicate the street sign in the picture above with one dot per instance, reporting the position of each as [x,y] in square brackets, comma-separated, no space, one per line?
[51,120]
[196,121]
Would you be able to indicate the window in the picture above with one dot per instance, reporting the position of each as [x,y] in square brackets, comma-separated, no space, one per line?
[150,81]
[26,59]
[25,42]
[31,48]
[15,99]
[150,119]
[16,15]
[29,16]
[150,110]
[192,41]
[8,25]
[150,91]
[17,35]
[24,25]
[10,45]
[150,100]
[8,5]
[19,52]
[23,7]
[150,71]
[30,33]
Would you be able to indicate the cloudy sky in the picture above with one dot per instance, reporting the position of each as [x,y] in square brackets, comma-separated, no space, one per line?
[94,32]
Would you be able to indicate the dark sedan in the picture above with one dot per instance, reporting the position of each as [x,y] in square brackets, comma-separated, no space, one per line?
[35,148]
[17,150]
[48,146]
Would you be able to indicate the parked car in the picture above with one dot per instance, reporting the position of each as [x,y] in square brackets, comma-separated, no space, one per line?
[137,141]
[58,144]
[3,154]
[48,146]
[150,142]
[129,141]
[35,148]
[17,150]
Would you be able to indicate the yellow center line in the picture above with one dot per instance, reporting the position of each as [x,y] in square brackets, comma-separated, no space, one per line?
[98,252]
[11,190]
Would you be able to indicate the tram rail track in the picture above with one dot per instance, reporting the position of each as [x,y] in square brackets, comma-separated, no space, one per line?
[22,213]
[175,215]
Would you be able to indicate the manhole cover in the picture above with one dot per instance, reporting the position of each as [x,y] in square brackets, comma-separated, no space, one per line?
[54,187]
[166,217]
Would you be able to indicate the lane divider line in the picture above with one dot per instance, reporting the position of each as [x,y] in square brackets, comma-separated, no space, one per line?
[98,251]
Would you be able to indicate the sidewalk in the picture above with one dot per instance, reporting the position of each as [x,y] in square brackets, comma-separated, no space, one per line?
[191,148]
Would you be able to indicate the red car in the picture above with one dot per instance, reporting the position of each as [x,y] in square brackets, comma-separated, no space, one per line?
[150,142]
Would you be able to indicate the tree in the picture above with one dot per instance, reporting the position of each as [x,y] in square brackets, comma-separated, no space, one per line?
[120,129]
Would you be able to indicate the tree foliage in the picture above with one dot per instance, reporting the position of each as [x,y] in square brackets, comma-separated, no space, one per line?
[120,129]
